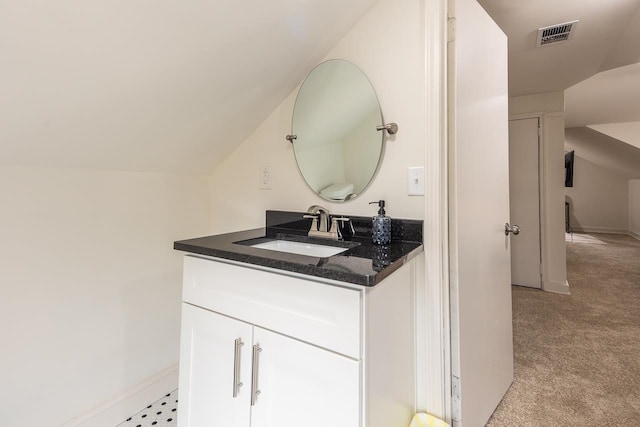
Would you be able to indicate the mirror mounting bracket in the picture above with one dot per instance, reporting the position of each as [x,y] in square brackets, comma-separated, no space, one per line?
[391,128]
[291,138]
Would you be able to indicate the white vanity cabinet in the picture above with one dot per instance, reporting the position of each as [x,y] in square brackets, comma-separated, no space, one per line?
[264,349]
[294,379]
[207,366]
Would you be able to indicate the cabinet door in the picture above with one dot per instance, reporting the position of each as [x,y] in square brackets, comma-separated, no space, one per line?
[303,385]
[208,360]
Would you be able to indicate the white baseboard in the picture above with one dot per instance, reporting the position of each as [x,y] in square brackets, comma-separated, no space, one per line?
[631,233]
[131,401]
[600,230]
[557,288]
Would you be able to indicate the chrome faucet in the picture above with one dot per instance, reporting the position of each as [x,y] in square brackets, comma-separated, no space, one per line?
[321,228]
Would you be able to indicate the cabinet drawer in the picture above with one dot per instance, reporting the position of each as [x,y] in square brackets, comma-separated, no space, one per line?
[324,315]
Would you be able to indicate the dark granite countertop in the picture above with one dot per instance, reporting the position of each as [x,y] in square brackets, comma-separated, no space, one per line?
[363,263]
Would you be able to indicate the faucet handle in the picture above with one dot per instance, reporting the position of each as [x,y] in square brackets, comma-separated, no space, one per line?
[343,220]
[335,230]
[314,223]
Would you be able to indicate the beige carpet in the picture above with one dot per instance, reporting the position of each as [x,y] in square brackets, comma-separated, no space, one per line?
[577,357]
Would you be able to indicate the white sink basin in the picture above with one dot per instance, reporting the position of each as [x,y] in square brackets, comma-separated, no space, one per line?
[300,248]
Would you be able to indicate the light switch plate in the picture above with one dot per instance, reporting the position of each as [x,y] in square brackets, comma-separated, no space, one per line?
[415,181]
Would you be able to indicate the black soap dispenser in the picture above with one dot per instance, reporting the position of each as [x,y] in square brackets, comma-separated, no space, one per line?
[380,226]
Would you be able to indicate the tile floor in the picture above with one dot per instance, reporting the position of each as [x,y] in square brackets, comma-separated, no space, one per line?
[162,413]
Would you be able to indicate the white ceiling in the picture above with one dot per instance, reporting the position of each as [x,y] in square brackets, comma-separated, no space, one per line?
[152,85]
[597,68]
[606,37]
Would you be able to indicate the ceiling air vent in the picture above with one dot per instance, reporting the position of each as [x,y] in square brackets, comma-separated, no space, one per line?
[556,33]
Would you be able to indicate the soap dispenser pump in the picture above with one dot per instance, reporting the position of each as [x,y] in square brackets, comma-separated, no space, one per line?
[380,226]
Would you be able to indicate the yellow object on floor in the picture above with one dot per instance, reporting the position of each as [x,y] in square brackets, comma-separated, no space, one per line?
[426,420]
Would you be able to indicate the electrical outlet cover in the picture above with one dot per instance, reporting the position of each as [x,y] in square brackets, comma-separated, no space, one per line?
[265,178]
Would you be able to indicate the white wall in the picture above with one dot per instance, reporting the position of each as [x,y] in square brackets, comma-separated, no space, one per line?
[550,107]
[634,208]
[90,285]
[538,103]
[387,44]
[599,198]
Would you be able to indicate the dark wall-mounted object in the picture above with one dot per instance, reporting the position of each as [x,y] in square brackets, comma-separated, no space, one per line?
[568,168]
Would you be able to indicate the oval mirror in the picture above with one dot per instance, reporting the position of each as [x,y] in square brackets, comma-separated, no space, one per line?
[337,146]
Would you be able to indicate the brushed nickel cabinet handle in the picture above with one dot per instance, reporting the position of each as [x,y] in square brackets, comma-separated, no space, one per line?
[254,377]
[236,366]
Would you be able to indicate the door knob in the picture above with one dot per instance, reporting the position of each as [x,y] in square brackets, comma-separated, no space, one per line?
[511,229]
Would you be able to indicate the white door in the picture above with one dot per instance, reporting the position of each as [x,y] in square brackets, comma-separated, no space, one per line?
[481,324]
[207,356]
[303,385]
[524,194]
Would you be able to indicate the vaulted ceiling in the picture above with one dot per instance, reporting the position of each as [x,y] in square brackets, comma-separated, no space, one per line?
[606,37]
[152,85]
[598,68]
[158,85]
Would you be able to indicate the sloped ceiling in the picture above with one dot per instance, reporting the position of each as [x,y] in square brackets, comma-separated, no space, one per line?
[152,85]
[597,68]
[628,132]
[605,37]
[597,148]
[612,96]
